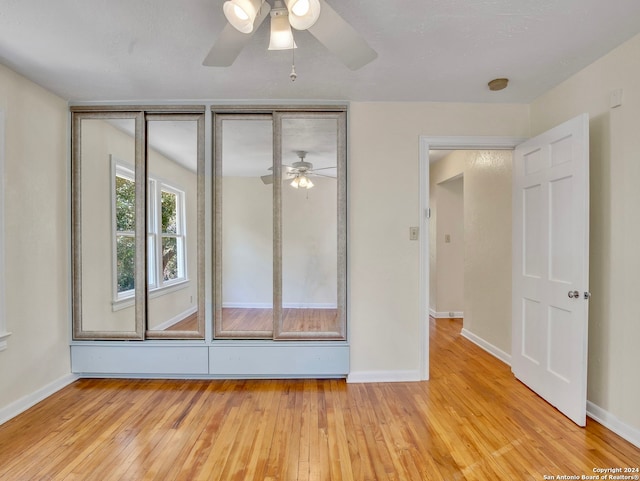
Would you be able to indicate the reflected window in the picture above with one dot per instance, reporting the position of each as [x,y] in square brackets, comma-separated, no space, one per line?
[166,237]
[125,222]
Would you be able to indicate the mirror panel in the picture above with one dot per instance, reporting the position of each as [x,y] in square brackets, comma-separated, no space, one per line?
[173,161]
[311,200]
[104,226]
[244,226]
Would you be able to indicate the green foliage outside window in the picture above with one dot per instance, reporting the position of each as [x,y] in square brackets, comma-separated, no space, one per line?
[169,244]
[125,238]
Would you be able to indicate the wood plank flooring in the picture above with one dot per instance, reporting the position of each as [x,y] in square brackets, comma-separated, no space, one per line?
[471,421]
[294,319]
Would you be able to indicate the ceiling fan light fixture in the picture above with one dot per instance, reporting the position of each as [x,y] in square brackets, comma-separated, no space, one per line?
[242,13]
[303,14]
[301,181]
[281,36]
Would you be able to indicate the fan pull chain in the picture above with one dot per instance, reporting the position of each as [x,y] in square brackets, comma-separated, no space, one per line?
[293,75]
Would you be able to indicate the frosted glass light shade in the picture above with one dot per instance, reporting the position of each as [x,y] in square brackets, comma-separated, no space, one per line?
[303,13]
[241,13]
[281,36]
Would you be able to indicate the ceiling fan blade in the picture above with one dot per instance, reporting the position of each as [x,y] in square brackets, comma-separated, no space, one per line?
[267,179]
[341,39]
[315,174]
[231,42]
[325,168]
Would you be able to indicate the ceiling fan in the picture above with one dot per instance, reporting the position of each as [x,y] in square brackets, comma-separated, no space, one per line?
[298,173]
[315,16]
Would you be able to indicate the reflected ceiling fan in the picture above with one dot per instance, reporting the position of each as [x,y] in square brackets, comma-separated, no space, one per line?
[298,173]
[315,16]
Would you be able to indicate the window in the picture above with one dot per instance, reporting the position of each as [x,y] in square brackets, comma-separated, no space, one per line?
[166,237]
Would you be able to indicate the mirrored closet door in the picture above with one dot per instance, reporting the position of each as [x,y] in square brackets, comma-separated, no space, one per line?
[280,225]
[138,225]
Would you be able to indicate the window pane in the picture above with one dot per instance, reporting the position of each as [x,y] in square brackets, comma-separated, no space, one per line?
[169,213]
[125,204]
[169,258]
[126,262]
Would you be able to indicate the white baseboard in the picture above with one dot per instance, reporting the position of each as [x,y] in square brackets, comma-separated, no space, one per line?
[24,403]
[383,376]
[176,319]
[612,423]
[487,346]
[445,314]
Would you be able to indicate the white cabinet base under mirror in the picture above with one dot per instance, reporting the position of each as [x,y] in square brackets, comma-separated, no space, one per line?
[224,359]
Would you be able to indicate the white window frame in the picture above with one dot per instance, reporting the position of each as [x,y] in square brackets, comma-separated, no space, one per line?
[155,228]
[4,334]
[156,284]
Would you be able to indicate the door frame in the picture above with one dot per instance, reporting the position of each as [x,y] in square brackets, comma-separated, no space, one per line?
[442,143]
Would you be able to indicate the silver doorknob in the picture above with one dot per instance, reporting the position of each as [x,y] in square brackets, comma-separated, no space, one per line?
[574,294]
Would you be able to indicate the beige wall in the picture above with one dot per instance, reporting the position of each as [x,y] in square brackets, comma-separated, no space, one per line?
[487,239]
[37,238]
[383,266]
[614,329]
[446,199]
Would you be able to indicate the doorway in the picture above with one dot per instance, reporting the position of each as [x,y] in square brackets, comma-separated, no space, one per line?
[483,166]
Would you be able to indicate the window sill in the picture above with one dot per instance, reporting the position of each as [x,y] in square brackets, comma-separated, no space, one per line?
[162,291]
[3,340]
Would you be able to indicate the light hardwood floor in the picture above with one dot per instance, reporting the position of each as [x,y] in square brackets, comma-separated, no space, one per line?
[294,320]
[471,421]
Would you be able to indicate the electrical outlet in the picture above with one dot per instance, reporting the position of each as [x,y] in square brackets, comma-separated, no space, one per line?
[413,233]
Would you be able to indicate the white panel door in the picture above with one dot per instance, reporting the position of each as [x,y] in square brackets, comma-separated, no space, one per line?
[551,265]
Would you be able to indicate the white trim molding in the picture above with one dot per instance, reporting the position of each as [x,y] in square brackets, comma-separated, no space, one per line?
[487,346]
[383,376]
[24,403]
[446,314]
[611,422]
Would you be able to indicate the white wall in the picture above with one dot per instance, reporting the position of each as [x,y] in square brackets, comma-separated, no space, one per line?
[37,267]
[487,239]
[308,246]
[614,327]
[383,266]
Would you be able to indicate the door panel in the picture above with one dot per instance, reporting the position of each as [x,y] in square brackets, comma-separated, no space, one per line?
[551,265]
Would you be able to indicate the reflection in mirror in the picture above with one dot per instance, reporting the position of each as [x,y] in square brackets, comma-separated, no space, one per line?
[105,162]
[244,305]
[172,227]
[309,197]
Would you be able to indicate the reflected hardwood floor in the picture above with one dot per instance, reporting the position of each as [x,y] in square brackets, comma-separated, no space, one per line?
[293,320]
[471,421]
[189,323]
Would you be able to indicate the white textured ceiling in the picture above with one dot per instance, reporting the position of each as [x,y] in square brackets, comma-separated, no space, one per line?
[429,50]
